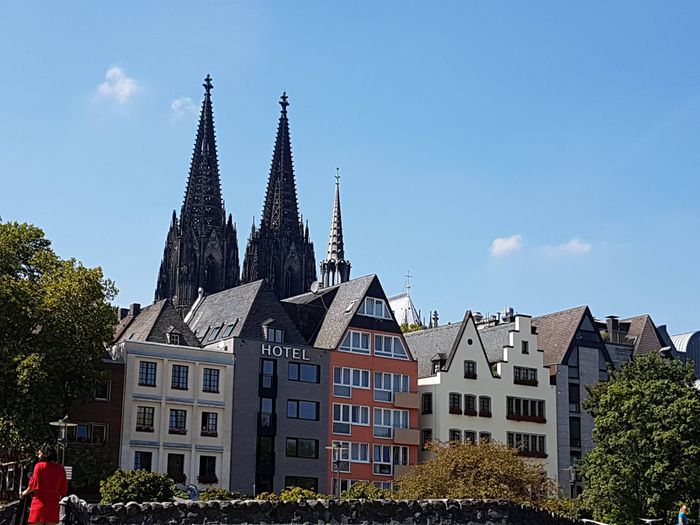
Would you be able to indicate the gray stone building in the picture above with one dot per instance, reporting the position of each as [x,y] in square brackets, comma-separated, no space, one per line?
[280,389]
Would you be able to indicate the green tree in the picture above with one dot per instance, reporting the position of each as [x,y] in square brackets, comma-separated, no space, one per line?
[647,441]
[92,463]
[366,490]
[56,318]
[415,327]
[482,471]
[136,485]
[219,495]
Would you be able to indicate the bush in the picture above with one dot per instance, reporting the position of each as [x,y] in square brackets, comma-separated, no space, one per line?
[266,496]
[299,494]
[219,495]
[366,490]
[136,485]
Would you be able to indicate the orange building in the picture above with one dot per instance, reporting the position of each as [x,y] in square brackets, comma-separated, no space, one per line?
[373,398]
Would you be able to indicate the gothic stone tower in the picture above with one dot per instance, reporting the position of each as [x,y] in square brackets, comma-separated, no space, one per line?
[201,249]
[334,268]
[280,250]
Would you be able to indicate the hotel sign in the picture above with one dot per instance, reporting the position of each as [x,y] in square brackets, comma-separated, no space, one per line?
[284,351]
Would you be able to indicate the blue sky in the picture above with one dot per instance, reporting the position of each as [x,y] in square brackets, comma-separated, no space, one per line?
[540,155]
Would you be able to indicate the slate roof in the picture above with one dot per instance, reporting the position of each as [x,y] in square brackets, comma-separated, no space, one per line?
[246,307]
[646,340]
[494,338]
[424,344]
[342,302]
[152,324]
[556,331]
[404,309]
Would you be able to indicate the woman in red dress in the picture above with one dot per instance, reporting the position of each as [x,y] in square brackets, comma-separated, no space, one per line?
[48,485]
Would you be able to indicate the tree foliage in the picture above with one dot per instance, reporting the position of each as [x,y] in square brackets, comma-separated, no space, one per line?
[92,463]
[56,318]
[219,495]
[481,471]
[136,485]
[647,441]
[408,328]
[366,490]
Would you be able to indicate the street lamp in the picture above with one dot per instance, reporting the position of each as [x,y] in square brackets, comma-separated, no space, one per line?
[63,425]
[336,450]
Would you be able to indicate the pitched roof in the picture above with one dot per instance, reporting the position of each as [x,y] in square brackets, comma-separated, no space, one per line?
[556,331]
[646,339]
[494,338]
[247,308]
[425,344]
[341,302]
[152,323]
[404,309]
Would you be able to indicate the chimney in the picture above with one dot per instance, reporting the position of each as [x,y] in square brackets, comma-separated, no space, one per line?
[123,312]
[134,309]
[612,324]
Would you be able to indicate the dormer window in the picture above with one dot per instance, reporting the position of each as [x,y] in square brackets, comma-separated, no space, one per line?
[372,307]
[173,337]
[437,365]
[274,335]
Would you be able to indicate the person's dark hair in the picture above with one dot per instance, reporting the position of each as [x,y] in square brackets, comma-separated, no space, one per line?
[49,452]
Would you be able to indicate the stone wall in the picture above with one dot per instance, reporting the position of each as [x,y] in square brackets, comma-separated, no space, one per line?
[428,512]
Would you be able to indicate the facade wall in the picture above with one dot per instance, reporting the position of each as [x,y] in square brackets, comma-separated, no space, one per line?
[162,441]
[248,462]
[348,470]
[452,381]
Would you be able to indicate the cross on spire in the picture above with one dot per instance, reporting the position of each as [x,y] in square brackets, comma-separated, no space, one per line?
[337,175]
[283,101]
[407,285]
[208,85]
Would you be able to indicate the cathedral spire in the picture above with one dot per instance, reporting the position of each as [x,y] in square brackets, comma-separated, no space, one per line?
[335,269]
[203,205]
[281,210]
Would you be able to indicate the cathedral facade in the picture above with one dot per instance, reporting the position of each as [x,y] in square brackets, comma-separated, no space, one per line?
[201,248]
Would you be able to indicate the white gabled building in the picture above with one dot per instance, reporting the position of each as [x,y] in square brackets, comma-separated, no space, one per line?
[487,382]
[177,406]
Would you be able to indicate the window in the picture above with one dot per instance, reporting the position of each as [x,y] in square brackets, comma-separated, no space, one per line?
[302,448]
[520,409]
[389,346]
[484,406]
[525,347]
[574,432]
[147,373]
[340,456]
[268,373]
[573,363]
[144,419]
[436,367]
[297,409]
[229,330]
[214,333]
[82,433]
[267,408]
[455,403]
[359,452]
[344,416]
[98,433]
[484,437]
[426,438]
[455,435]
[357,342]
[469,405]
[469,370]
[531,445]
[574,398]
[301,482]
[265,453]
[275,335]
[470,437]
[345,379]
[372,307]
[524,376]
[103,391]
[427,403]
[382,460]
[385,384]
[174,338]
[143,460]
[207,470]
[303,372]
[210,423]
[210,382]
[386,420]
[178,422]
[179,380]
[176,467]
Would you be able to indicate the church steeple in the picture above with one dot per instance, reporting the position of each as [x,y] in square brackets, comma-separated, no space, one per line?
[280,250]
[201,248]
[281,210]
[335,269]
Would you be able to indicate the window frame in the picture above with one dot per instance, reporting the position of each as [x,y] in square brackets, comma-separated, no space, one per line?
[148,373]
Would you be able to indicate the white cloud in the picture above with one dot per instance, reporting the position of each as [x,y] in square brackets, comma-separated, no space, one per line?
[502,246]
[117,85]
[183,106]
[572,247]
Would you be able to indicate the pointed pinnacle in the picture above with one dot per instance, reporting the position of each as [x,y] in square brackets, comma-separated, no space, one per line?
[208,85]
[284,101]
